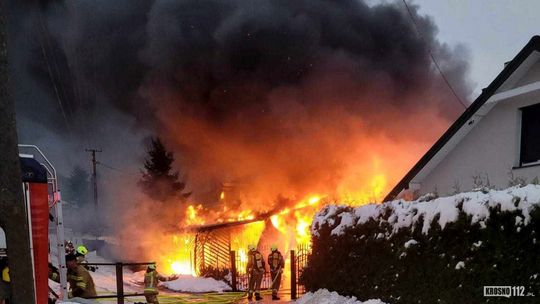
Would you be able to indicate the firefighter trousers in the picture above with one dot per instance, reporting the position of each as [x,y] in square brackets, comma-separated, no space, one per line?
[151,298]
[276,279]
[255,280]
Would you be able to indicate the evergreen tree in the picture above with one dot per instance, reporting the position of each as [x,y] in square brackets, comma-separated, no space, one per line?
[78,186]
[158,181]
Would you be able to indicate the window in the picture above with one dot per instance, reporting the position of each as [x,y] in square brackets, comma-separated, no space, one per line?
[530,135]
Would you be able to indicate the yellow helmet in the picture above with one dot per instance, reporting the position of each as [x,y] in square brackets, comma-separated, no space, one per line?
[152,266]
[251,247]
[82,250]
[273,247]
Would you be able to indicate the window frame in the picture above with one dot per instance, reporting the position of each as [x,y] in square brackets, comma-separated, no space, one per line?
[521,162]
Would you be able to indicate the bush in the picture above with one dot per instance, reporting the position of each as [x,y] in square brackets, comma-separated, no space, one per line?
[451,265]
[220,274]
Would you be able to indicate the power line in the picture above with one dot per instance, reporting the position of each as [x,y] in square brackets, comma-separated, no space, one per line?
[431,55]
[115,169]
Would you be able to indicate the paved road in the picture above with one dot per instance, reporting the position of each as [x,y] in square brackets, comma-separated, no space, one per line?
[285,297]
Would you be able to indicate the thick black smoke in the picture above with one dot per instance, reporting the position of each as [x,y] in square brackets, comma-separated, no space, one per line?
[108,73]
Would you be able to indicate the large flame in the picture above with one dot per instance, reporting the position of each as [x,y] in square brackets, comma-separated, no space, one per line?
[293,224]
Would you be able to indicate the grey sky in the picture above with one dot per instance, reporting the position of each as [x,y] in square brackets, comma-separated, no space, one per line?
[493,30]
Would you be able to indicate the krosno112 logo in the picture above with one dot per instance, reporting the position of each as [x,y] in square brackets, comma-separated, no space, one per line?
[506,291]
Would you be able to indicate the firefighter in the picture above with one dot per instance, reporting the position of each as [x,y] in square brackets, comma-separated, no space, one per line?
[5,280]
[276,263]
[54,274]
[69,247]
[81,253]
[151,280]
[81,284]
[255,269]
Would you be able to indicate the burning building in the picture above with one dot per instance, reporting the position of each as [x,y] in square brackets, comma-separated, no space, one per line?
[299,102]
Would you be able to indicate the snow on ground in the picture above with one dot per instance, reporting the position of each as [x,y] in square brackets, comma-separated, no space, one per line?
[405,213]
[323,296]
[105,280]
[188,283]
[105,277]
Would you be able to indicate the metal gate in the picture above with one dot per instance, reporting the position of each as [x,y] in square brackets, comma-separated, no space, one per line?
[212,250]
[301,259]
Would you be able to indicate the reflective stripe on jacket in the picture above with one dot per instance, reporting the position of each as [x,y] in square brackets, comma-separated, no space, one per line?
[81,283]
[151,280]
[5,275]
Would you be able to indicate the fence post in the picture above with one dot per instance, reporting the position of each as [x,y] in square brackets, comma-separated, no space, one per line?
[293,275]
[233,270]
[119,283]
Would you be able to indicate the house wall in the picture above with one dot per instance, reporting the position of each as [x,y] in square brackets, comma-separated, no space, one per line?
[489,151]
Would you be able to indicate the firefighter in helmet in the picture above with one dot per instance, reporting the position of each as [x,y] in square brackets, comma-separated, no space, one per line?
[151,280]
[80,281]
[255,269]
[276,263]
[81,253]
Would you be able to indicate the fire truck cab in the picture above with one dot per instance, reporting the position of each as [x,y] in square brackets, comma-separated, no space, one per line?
[43,208]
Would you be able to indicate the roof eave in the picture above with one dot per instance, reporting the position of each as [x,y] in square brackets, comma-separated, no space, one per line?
[509,69]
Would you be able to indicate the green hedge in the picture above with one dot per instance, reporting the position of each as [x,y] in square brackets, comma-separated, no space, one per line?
[360,262]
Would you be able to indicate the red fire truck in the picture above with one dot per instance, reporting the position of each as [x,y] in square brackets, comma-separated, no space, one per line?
[43,206]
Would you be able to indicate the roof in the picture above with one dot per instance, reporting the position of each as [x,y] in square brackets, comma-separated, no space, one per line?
[489,91]
[32,171]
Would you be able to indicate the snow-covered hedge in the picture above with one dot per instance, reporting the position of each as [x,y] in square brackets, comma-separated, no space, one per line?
[439,251]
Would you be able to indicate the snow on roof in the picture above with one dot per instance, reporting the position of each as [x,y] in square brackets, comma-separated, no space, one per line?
[404,214]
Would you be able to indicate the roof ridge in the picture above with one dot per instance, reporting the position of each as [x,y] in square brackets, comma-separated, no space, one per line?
[487,92]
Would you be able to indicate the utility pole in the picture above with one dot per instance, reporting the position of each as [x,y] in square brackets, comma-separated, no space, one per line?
[13,216]
[94,173]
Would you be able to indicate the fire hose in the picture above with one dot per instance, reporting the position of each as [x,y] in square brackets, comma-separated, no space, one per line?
[278,272]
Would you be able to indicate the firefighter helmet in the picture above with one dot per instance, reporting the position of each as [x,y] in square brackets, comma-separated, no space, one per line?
[152,266]
[82,250]
[273,247]
[251,247]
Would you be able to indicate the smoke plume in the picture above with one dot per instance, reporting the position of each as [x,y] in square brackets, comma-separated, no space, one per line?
[283,97]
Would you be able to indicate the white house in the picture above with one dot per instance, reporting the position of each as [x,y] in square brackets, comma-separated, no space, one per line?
[495,142]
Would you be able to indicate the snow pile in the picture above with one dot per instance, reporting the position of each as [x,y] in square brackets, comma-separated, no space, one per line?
[186,283]
[323,296]
[404,214]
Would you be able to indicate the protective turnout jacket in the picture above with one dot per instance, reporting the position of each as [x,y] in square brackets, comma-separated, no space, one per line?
[151,280]
[276,261]
[255,261]
[81,283]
